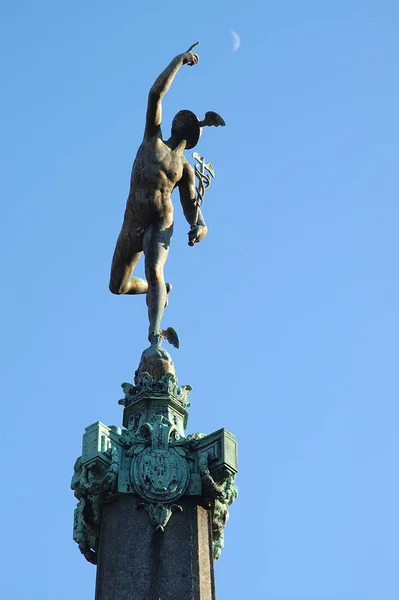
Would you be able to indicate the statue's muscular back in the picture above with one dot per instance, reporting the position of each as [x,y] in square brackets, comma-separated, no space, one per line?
[156,171]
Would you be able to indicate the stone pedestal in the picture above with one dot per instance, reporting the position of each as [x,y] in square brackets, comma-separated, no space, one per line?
[136,562]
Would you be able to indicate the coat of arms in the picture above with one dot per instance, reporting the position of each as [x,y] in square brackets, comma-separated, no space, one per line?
[160,474]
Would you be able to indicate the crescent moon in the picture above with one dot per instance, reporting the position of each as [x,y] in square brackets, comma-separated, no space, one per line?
[236,40]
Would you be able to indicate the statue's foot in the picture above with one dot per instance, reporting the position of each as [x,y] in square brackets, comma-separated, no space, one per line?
[155,338]
[171,336]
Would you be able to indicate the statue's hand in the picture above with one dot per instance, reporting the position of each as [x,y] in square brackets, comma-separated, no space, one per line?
[189,58]
[196,234]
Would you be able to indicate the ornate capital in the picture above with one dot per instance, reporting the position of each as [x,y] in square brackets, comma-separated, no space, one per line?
[147,387]
[154,460]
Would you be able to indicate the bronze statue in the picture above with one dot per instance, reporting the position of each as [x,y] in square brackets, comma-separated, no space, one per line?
[158,169]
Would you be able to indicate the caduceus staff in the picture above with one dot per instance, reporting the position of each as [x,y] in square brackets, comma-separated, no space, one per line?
[204,172]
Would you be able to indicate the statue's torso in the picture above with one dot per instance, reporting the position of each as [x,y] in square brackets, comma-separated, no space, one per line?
[156,171]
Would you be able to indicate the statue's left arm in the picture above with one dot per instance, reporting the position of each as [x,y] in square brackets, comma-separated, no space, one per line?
[192,212]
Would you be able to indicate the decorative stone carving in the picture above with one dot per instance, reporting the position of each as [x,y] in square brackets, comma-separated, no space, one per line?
[92,485]
[160,513]
[160,472]
[154,460]
[218,497]
[229,493]
[146,386]
[150,397]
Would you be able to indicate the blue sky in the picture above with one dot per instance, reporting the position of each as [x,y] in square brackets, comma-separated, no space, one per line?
[287,312]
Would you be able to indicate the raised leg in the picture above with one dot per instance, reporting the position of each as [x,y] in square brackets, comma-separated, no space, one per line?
[127,253]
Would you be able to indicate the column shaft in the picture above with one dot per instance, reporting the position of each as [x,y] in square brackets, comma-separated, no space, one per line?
[135,562]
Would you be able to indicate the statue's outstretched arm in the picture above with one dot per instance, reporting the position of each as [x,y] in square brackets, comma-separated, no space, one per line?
[159,89]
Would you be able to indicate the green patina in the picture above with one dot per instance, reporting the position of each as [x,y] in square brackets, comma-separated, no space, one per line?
[153,459]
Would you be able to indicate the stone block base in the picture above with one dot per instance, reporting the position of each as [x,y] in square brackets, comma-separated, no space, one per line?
[135,562]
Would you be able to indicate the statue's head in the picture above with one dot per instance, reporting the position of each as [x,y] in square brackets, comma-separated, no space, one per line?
[186,126]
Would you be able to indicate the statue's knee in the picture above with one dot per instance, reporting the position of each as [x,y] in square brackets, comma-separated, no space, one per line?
[115,289]
[155,275]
